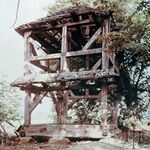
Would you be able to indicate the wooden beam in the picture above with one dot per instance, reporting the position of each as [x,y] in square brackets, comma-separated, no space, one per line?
[49,26]
[36,45]
[65,106]
[114,65]
[72,103]
[38,64]
[61,77]
[98,63]
[105,68]
[34,88]
[68,54]
[72,131]
[104,97]
[87,63]
[105,58]
[77,98]
[48,48]
[51,37]
[85,97]
[33,49]
[27,50]
[92,40]
[27,55]
[37,99]
[27,113]
[64,49]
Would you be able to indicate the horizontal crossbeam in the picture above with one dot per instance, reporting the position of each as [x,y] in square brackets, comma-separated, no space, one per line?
[61,77]
[68,54]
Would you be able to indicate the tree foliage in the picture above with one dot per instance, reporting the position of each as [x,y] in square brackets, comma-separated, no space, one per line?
[9,106]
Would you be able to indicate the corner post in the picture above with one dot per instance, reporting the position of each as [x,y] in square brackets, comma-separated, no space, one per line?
[27,101]
[63,68]
[105,68]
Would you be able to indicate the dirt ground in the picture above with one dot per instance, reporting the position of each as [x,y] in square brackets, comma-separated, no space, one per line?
[41,146]
[106,144]
[87,146]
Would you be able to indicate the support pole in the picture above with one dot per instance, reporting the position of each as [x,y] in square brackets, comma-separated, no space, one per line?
[27,114]
[105,68]
[104,97]
[27,101]
[64,49]
[63,104]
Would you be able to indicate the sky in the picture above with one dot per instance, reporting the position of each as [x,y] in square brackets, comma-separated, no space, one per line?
[12,44]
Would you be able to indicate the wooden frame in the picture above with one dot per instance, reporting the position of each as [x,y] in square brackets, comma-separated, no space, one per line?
[65,37]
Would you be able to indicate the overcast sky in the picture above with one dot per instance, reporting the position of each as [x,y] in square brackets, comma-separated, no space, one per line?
[11,43]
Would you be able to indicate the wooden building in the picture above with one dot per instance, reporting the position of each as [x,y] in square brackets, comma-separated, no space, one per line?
[74,65]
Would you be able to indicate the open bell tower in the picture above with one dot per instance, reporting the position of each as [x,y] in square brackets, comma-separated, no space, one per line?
[74,67]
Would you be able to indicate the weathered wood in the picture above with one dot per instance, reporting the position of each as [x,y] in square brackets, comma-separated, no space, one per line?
[114,112]
[61,77]
[27,50]
[104,97]
[98,63]
[41,23]
[68,54]
[27,55]
[92,40]
[105,68]
[105,58]
[113,62]
[72,103]
[27,114]
[49,26]
[37,99]
[59,111]
[33,49]
[85,97]
[87,61]
[51,37]
[58,108]
[64,49]
[38,64]
[86,52]
[75,40]
[65,106]
[76,131]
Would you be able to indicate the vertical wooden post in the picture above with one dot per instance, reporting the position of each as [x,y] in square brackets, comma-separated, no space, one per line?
[115,111]
[59,111]
[105,58]
[65,106]
[64,49]
[27,54]
[27,114]
[105,68]
[87,68]
[104,97]
[62,116]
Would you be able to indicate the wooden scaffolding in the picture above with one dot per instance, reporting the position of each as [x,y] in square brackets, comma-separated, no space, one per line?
[75,66]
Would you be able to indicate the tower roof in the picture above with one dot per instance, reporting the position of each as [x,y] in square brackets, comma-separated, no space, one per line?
[62,18]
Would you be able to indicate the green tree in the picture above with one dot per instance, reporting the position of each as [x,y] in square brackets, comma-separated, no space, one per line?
[9,106]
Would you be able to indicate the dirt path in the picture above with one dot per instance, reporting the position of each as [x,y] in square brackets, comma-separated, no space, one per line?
[87,145]
[94,146]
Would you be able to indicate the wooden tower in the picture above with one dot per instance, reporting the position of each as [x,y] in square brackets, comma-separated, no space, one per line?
[73,63]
